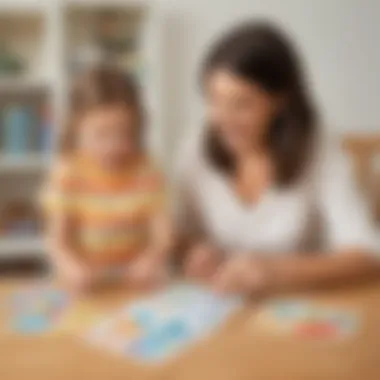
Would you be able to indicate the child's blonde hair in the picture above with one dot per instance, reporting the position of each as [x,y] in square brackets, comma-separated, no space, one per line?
[102,86]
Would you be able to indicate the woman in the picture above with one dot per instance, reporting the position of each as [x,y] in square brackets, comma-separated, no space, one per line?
[265,202]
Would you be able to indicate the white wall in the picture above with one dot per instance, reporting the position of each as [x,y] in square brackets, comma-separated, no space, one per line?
[338,38]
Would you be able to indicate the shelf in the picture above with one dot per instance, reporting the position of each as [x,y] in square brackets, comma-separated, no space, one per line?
[23,6]
[41,40]
[32,162]
[107,4]
[22,85]
[17,246]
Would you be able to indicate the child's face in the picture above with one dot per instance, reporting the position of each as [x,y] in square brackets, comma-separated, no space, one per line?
[108,134]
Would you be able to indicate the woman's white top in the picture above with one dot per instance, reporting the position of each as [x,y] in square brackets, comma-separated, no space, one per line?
[323,212]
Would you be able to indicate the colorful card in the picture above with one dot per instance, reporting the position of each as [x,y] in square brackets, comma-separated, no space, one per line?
[158,326]
[37,309]
[307,319]
[79,317]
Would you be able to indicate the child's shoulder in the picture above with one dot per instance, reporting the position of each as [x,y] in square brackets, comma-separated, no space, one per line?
[152,171]
[150,166]
[65,169]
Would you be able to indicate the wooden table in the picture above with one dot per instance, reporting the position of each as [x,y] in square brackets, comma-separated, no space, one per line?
[241,350]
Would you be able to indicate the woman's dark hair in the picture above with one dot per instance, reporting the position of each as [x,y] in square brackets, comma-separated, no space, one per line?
[102,86]
[260,53]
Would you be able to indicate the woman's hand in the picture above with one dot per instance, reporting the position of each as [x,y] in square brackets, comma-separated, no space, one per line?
[202,261]
[148,270]
[242,276]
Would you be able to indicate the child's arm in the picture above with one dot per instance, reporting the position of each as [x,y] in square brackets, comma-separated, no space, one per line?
[58,202]
[151,266]
[161,237]
[160,224]
[64,258]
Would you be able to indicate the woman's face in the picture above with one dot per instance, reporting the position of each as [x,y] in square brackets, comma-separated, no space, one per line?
[240,111]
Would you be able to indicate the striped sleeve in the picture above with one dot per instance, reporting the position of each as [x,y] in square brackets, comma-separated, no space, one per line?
[59,192]
[156,188]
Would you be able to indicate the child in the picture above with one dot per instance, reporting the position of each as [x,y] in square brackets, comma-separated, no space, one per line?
[104,199]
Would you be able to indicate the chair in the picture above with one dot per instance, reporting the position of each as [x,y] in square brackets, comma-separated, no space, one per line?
[364,149]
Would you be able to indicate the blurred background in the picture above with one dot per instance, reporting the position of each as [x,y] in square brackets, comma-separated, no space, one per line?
[43,43]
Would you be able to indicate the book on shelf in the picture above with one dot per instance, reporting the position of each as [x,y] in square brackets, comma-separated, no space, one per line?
[26,129]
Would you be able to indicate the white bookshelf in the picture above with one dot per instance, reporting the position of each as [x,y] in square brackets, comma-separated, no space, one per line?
[44,34]
[21,248]
[28,163]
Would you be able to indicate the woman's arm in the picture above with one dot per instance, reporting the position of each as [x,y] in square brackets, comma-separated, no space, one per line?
[247,275]
[320,270]
[348,223]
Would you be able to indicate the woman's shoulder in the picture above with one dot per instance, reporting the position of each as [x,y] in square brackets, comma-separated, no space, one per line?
[189,155]
[331,167]
[329,153]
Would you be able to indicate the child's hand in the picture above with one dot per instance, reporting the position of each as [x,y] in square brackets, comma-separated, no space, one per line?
[147,271]
[202,261]
[242,276]
[76,275]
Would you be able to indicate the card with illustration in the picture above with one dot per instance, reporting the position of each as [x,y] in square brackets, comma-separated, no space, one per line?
[158,326]
[307,319]
[37,309]
[79,317]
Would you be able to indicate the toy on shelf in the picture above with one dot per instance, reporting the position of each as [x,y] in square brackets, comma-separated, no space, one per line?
[19,218]
[112,37]
[10,64]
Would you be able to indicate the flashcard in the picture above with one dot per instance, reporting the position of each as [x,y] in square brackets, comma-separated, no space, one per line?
[307,319]
[158,326]
[37,309]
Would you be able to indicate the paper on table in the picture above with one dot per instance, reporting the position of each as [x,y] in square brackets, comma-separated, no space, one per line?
[304,318]
[160,325]
[38,309]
